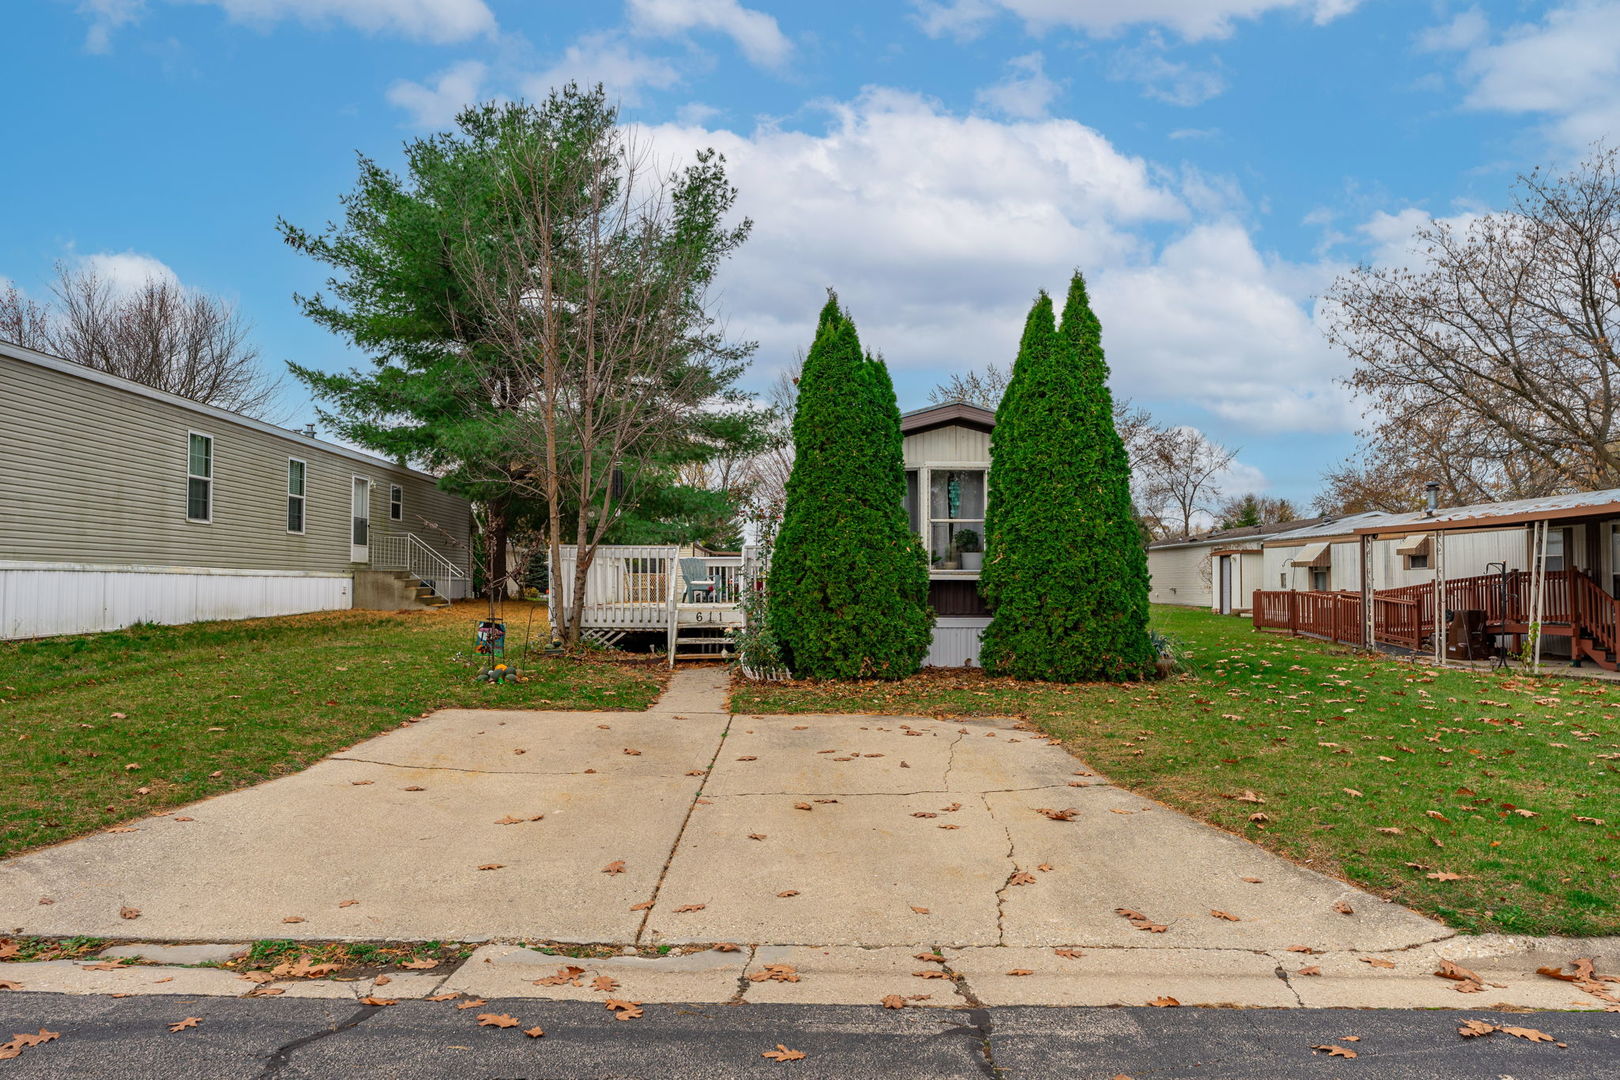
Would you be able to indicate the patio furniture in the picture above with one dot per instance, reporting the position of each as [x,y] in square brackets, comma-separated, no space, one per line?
[699,586]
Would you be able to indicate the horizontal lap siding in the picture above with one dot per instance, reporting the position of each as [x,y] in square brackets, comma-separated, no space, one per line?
[99,477]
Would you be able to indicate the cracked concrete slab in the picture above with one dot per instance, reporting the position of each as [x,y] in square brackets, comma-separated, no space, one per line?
[1023,976]
[510,971]
[837,975]
[861,867]
[78,977]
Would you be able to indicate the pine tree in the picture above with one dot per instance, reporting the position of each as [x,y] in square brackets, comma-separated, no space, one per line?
[848,589]
[1065,572]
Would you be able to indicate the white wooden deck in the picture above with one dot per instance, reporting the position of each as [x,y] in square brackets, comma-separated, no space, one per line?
[640,588]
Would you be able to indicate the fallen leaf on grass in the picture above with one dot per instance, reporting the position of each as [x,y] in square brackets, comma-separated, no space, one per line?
[1443,875]
[1164,1003]
[1335,1051]
[1390,830]
[498,1020]
[624,1010]
[534,1032]
[614,867]
[782,1053]
[188,1022]
[379,1001]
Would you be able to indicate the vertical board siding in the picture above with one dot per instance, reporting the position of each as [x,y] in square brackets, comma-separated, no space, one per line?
[951,443]
[955,643]
[99,477]
[40,603]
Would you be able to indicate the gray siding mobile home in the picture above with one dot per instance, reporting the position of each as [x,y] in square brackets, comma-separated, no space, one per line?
[128,504]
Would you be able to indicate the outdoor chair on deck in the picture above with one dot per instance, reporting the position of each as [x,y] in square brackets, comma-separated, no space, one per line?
[699,586]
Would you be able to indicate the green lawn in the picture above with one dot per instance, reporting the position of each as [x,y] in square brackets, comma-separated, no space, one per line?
[201,709]
[1375,770]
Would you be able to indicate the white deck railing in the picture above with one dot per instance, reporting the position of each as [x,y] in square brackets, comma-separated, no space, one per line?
[642,586]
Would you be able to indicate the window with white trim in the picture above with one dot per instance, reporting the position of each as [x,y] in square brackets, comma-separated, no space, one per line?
[199,477]
[396,503]
[297,476]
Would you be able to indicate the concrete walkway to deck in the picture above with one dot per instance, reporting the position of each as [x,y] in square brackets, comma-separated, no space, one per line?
[841,845]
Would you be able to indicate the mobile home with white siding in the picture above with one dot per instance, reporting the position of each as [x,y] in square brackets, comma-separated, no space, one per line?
[129,504]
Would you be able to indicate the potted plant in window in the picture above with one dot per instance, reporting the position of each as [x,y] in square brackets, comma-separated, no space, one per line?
[969,549]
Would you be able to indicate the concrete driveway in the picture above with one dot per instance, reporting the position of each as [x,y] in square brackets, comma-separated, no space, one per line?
[687,824]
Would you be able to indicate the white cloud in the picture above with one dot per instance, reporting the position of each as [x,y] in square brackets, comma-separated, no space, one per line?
[1564,67]
[607,59]
[126,271]
[1170,81]
[455,88]
[1191,19]
[696,114]
[937,229]
[438,21]
[106,16]
[756,33]
[1026,92]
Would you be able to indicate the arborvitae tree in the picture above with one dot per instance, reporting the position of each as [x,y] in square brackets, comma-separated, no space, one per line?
[848,589]
[1065,572]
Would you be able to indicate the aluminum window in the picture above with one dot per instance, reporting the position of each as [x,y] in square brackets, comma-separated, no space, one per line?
[396,503]
[199,477]
[297,477]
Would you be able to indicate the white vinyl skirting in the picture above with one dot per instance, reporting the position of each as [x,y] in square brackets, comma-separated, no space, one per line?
[40,600]
[956,643]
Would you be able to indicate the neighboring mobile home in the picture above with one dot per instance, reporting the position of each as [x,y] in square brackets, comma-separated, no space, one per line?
[1220,570]
[129,504]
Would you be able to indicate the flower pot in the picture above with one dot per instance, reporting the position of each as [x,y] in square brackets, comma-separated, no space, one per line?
[973,560]
[949,564]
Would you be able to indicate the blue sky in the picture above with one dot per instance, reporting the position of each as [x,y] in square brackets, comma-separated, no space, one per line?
[1210,164]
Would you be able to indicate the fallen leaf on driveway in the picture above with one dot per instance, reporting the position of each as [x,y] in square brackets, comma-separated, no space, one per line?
[378,1001]
[6,984]
[643,906]
[802,806]
[362,783]
[1251,880]
[563,976]
[893,1001]
[1023,877]
[492,866]
[775,973]
[1378,961]
[919,910]
[931,973]
[129,913]
[614,867]
[1057,815]
[726,946]
[510,820]
[499,1020]
[426,963]
[1335,1051]
[931,957]
[604,984]
[1021,971]
[188,1022]
[689,907]
[22,1042]
[1301,948]
[948,826]
[1525,1033]
[257,976]
[1140,921]
[1164,1002]
[624,1010]
[785,893]
[1343,908]
[473,1004]
[1219,914]
[782,1053]
[924,813]
[1312,970]
[1467,982]
[266,991]
[293,919]
[1069,954]
[415,787]
[347,903]
[632,753]
[696,772]
[534,1032]
[442,997]
[756,836]
[750,757]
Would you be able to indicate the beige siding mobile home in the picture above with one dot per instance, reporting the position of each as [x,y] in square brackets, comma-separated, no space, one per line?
[130,504]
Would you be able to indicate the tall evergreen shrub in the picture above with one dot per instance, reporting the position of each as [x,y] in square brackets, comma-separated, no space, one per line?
[848,588]
[1065,572]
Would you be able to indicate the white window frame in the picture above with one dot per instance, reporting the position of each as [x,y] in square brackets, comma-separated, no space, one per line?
[925,521]
[302,497]
[396,502]
[209,479]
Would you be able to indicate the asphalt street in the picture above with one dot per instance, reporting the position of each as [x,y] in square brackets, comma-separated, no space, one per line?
[300,1039]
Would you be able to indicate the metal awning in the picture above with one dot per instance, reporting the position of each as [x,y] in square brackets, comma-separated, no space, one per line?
[1314,555]
[1416,544]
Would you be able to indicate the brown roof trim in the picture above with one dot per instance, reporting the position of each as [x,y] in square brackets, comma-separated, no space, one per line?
[1488,521]
[953,412]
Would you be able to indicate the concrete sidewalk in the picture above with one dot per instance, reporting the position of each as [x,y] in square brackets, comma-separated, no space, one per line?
[842,845]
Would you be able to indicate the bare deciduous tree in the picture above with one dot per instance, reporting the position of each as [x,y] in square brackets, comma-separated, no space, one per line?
[1180,479]
[592,287]
[1492,368]
[24,321]
[161,334]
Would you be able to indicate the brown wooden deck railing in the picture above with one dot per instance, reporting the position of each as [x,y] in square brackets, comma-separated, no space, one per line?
[1405,616]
